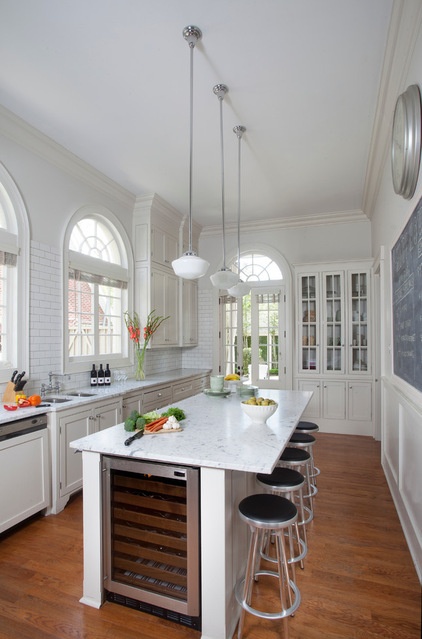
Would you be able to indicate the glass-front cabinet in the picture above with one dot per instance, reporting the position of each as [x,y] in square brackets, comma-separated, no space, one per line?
[358,322]
[309,323]
[334,322]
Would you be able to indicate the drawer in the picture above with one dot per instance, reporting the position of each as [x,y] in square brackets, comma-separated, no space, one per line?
[200,383]
[184,389]
[156,398]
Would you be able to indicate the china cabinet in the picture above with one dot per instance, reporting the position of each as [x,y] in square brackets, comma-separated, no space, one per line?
[333,343]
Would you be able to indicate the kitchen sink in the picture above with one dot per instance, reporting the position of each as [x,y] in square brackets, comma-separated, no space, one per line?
[80,395]
[55,400]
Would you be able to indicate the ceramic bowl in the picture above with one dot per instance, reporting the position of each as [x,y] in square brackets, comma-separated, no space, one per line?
[259,414]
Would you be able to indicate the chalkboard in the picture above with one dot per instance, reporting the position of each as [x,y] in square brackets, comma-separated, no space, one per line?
[407,301]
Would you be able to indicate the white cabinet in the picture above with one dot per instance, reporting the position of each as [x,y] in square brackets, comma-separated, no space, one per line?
[360,401]
[156,398]
[66,426]
[164,247]
[189,313]
[334,345]
[334,400]
[156,230]
[165,302]
[131,402]
[24,477]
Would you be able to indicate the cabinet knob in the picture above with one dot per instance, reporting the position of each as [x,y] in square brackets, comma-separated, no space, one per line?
[159,394]
[98,415]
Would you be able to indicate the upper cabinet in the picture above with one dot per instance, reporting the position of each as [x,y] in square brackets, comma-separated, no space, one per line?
[156,232]
[161,236]
[333,326]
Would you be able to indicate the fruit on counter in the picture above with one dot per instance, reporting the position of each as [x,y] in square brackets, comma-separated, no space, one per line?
[19,396]
[34,400]
[233,377]
[259,401]
[10,406]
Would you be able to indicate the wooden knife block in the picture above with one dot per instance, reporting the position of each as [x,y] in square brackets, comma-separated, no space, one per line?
[9,396]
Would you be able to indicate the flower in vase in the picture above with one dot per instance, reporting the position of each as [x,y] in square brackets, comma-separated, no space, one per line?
[134,329]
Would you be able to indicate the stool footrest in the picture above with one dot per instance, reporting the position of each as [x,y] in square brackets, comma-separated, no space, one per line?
[268,615]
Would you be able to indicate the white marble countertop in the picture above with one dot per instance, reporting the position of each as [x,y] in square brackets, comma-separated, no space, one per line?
[216,434]
[96,394]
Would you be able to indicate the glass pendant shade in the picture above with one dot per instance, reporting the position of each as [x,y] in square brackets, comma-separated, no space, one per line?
[240,289]
[225,278]
[189,266]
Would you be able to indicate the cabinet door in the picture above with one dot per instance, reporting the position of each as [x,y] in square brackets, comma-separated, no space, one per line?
[165,302]
[313,409]
[107,414]
[360,401]
[131,403]
[71,427]
[308,326]
[190,313]
[359,349]
[334,400]
[164,247]
[333,334]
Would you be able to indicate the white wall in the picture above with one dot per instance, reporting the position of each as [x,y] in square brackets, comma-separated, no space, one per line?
[401,405]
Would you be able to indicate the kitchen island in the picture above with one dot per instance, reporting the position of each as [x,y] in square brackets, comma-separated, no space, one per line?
[229,449]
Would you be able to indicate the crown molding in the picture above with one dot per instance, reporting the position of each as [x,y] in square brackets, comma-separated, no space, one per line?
[340,217]
[19,131]
[405,25]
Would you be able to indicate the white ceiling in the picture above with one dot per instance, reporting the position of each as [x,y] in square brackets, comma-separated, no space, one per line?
[109,80]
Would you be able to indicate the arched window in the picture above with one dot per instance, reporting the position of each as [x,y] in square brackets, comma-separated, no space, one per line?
[255,267]
[97,292]
[14,269]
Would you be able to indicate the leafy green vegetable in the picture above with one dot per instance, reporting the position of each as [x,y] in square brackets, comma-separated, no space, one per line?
[177,412]
[130,424]
[140,423]
[151,416]
[134,415]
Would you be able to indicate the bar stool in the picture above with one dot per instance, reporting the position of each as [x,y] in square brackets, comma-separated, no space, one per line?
[309,428]
[299,459]
[289,483]
[305,441]
[268,514]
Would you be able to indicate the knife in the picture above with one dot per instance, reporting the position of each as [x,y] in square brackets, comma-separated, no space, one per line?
[136,436]
[12,379]
[18,379]
[20,385]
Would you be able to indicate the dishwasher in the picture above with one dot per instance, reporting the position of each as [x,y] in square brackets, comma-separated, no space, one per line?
[24,469]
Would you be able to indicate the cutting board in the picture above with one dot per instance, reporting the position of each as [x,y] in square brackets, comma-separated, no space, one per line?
[158,432]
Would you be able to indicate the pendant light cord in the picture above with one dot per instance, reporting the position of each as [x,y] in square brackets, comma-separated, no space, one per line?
[191,47]
[220,99]
[239,137]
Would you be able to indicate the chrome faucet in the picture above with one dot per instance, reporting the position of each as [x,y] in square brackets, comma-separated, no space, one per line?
[51,387]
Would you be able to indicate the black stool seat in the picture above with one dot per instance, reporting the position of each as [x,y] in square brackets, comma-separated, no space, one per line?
[295,455]
[302,438]
[269,511]
[286,477]
[307,426]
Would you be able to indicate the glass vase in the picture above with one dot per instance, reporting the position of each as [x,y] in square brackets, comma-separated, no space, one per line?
[139,369]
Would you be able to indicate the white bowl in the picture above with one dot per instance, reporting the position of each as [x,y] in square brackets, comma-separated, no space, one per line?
[259,414]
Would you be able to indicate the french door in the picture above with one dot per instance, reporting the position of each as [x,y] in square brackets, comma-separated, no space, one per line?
[253,336]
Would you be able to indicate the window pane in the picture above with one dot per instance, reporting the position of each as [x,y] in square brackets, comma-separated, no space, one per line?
[110,320]
[81,319]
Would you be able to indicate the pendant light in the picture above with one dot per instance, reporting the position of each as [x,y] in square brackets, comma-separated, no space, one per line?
[241,288]
[189,266]
[225,278]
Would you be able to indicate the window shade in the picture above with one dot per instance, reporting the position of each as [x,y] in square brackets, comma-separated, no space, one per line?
[92,278]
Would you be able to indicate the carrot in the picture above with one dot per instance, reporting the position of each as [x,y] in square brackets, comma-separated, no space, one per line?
[156,425]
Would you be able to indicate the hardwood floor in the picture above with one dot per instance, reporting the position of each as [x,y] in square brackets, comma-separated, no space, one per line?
[359,581]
